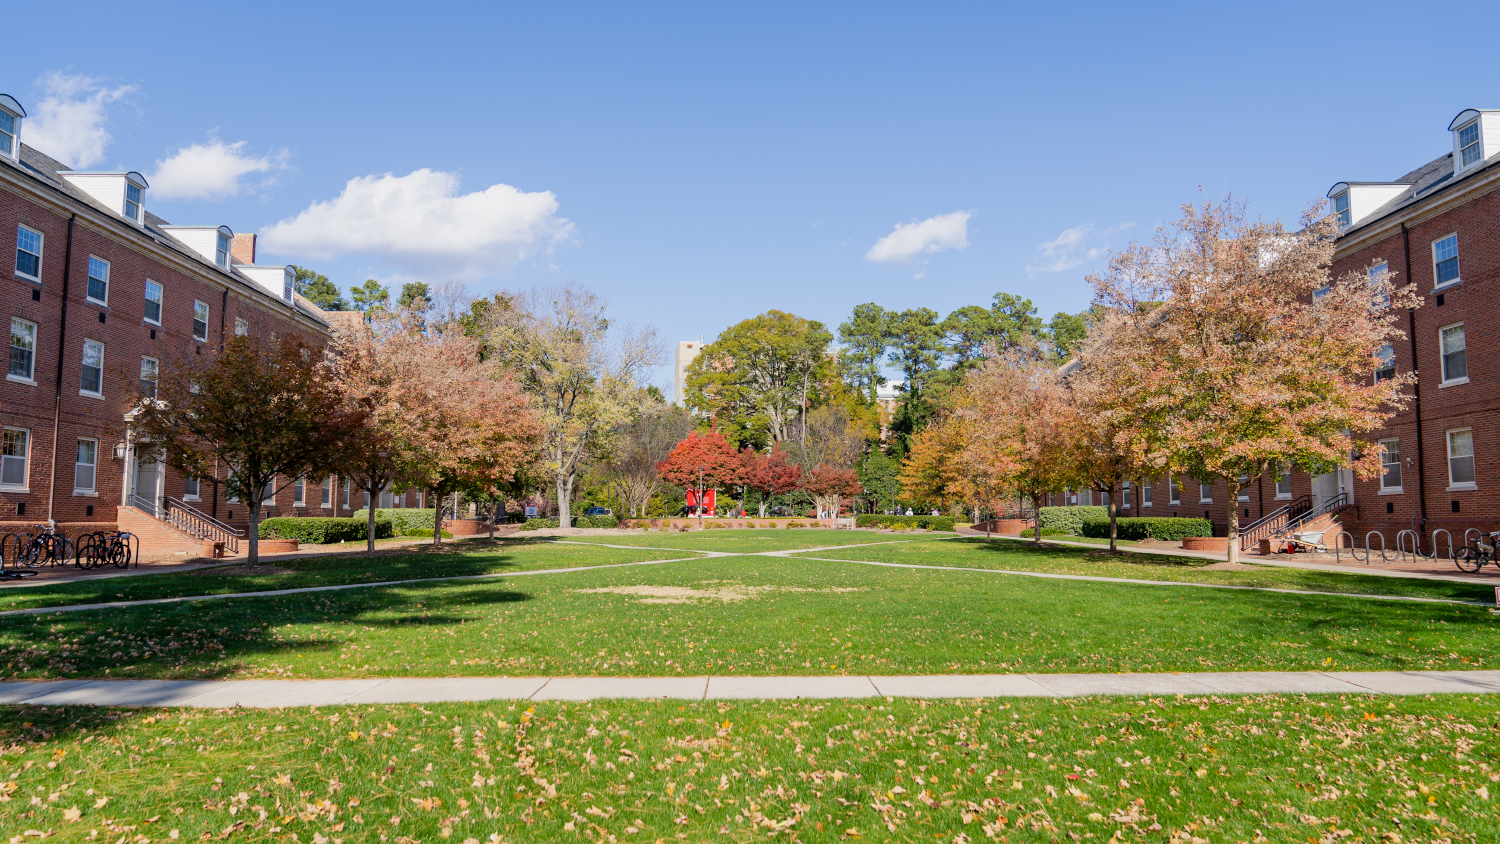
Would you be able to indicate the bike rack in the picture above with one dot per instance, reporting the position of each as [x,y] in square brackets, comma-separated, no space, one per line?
[1383,557]
[1416,546]
[1444,532]
[1338,544]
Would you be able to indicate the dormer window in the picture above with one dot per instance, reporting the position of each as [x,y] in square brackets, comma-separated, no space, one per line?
[221,251]
[287,286]
[1469,151]
[10,126]
[1341,208]
[133,196]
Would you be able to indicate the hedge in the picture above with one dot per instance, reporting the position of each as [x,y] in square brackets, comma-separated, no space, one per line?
[1149,528]
[425,533]
[321,531]
[404,518]
[1069,519]
[537,523]
[928,522]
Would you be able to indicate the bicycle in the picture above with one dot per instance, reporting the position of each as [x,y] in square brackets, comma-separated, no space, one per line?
[47,547]
[116,548]
[1472,557]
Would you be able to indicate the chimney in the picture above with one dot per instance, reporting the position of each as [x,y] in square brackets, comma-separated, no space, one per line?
[243,249]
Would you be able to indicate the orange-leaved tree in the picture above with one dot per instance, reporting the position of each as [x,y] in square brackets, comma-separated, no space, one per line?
[702,462]
[1256,354]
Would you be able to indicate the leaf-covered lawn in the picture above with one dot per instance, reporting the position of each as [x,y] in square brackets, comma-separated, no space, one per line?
[1014,555]
[1273,768]
[749,615]
[475,556]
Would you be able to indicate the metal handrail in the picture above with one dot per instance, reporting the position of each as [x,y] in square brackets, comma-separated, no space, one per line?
[1271,522]
[143,503]
[201,525]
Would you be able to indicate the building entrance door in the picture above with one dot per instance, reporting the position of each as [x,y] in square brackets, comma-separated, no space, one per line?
[146,488]
[1328,486]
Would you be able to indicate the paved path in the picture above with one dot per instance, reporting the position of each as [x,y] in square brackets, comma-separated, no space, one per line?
[263,694]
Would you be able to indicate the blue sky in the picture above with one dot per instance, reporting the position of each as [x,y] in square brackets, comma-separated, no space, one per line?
[697,164]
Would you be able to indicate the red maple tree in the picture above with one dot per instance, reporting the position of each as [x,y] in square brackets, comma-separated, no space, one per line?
[768,474]
[701,462]
[829,486]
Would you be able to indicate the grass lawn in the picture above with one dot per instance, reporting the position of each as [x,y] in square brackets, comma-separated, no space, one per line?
[1017,555]
[473,556]
[748,615]
[1355,769]
[743,541]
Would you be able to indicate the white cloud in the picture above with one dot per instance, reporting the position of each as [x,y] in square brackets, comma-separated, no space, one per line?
[71,122]
[911,241]
[421,223]
[1073,247]
[210,170]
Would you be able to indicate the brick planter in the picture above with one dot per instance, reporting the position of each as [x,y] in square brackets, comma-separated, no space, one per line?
[465,527]
[1216,544]
[276,546]
[1009,527]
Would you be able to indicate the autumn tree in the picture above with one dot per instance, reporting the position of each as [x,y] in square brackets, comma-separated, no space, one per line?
[701,462]
[829,486]
[582,370]
[638,446]
[263,406]
[1256,354]
[760,375]
[768,475]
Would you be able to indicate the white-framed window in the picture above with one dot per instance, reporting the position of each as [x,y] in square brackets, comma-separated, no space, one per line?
[1244,493]
[1341,208]
[299,492]
[1174,491]
[268,494]
[1469,151]
[15,446]
[386,499]
[85,466]
[347,486]
[1146,486]
[200,320]
[8,127]
[98,288]
[91,381]
[325,497]
[153,302]
[1322,291]
[1381,299]
[241,326]
[28,253]
[1455,356]
[1445,261]
[1461,459]
[1385,363]
[1125,496]
[221,250]
[367,500]
[22,351]
[1205,493]
[1104,499]
[133,197]
[1390,465]
[191,489]
[150,368]
[1284,481]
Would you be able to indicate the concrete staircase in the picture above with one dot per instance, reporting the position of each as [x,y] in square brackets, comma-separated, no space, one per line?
[159,539]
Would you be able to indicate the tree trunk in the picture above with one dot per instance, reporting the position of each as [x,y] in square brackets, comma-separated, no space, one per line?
[437,515]
[700,500]
[1114,512]
[253,533]
[1036,506]
[1234,521]
[564,501]
[370,521]
[763,503]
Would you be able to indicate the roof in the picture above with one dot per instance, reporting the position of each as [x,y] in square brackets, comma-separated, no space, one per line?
[44,168]
[1425,181]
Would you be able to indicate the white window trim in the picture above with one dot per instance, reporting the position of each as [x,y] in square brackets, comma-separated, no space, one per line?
[1146,494]
[161,306]
[1443,367]
[241,327]
[198,497]
[39,257]
[207,311]
[1447,284]
[1391,490]
[93,492]
[1478,142]
[1210,497]
[81,390]
[155,368]
[332,493]
[1448,456]
[108,271]
[348,487]
[25,486]
[1174,493]
[299,492]
[16,379]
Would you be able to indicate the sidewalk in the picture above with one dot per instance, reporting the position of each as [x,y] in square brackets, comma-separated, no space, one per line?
[270,694]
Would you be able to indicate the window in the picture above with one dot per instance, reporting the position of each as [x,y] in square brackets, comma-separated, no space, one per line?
[28,253]
[326,498]
[191,490]
[1445,260]
[299,492]
[241,327]
[1244,493]
[148,377]
[1146,493]
[13,454]
[221,251]
[1125,496]
[1205,493]
[1468,144]
[153,302]
[1341,208]
[22,351]
[1455,358]
[84,464]
[367,500]
[8,134]
[268,494]
[1104,499]
[200,321]
[1174,491]
[346,493]
[1460,458]
[1385,363]
[1380,299]
[133,201]
[1284,482]
[98,291]
[385,499]
[1390,465]
[92,382]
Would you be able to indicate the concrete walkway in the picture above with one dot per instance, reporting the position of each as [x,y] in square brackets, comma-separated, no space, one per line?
[269,694]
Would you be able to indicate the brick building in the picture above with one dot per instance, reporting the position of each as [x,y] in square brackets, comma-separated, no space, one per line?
[1438,228]
[98,290]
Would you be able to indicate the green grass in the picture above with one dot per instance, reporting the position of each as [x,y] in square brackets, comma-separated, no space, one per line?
[800,617]
[1274,768]
[1016,555]
[743,541]
[475,556]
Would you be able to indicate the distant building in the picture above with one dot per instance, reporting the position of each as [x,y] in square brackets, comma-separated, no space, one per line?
[888,395]
[687,350]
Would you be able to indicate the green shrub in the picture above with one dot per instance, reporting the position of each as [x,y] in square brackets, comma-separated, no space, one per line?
[321,530]
[536,523]
[1069,519]
[927,522]
[596,521]
[1151,527]
[427,532]
[1050,532]
[791,525]
[404,518]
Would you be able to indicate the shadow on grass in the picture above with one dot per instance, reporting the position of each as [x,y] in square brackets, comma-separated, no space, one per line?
[1013,547]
